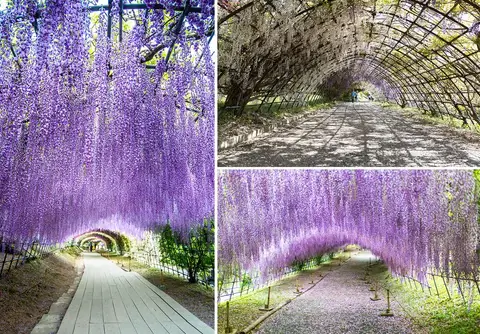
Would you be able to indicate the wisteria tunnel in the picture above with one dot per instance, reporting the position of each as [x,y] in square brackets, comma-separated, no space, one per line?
[420,224]
[289,54]
[106,147]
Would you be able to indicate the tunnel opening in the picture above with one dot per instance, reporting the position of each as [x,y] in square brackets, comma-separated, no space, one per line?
[113,241]
[76,161]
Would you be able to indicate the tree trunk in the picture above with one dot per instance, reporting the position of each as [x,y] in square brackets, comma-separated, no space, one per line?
[192,277]
[237,99]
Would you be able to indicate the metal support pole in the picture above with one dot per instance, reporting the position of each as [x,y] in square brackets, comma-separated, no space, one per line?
[120,21]
[446,287]
[19,255]
[228,328]
[109,19]
[435,283]
[460,288]
[388,312]
[297,288]
[178,29]
[3,262]
[13,258]
[267,305]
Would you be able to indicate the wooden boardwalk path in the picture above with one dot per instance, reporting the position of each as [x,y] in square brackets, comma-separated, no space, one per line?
[110,300]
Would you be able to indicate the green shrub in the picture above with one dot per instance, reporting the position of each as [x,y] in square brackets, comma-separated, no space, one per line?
[298,265]
[194,253]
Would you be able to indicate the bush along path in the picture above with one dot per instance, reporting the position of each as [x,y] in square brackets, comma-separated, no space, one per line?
[340,303]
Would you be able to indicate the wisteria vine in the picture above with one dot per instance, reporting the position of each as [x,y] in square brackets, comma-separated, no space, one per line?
[89,137]
[415,220]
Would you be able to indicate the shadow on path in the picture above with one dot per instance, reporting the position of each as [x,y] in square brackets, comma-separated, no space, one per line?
[356,134]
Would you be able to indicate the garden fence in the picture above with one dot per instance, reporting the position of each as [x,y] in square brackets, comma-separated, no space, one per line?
[239,286]
[464,287]
[13,254]
[268,104]
[152,258]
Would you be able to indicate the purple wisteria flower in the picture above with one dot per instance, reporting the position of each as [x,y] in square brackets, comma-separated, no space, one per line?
[91,138]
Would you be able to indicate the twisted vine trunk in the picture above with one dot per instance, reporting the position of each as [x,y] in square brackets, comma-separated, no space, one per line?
[237,98]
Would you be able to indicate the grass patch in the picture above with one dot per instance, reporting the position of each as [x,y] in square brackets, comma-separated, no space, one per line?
[439,314]
[426,116]
[431,313]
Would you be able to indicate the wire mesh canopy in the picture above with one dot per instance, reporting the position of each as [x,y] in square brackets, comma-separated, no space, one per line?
[418,53]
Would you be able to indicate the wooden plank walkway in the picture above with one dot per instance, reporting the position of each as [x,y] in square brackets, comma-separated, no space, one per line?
[110,300]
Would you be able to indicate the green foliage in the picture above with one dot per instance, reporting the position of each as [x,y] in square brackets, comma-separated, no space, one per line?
[72,250]
[195,253]
[318,259]
[321,258]
[123,243]
[476,176]
[246,281]
[298,265]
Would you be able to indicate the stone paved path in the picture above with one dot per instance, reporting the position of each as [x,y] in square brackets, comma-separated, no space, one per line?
[111,300]
[339,304]
[356,135]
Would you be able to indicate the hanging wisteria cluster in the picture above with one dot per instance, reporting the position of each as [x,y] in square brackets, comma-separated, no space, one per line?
[91,138]
[415,220]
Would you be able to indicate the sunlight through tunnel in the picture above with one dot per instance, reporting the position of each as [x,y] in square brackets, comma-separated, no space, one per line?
[105,240]
[422,54]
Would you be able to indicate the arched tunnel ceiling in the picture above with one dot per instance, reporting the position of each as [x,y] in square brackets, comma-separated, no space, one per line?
[105,236]
[419,53]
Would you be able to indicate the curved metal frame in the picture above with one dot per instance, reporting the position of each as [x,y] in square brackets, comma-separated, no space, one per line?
[444,81]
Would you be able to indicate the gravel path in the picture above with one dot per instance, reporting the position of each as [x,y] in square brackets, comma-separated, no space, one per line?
[340,303]
[360,134]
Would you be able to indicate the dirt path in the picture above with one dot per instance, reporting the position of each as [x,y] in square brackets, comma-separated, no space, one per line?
[340,303]
[360,134]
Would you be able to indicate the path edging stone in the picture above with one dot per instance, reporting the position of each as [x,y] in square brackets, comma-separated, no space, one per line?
[50,322]
[238,139]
